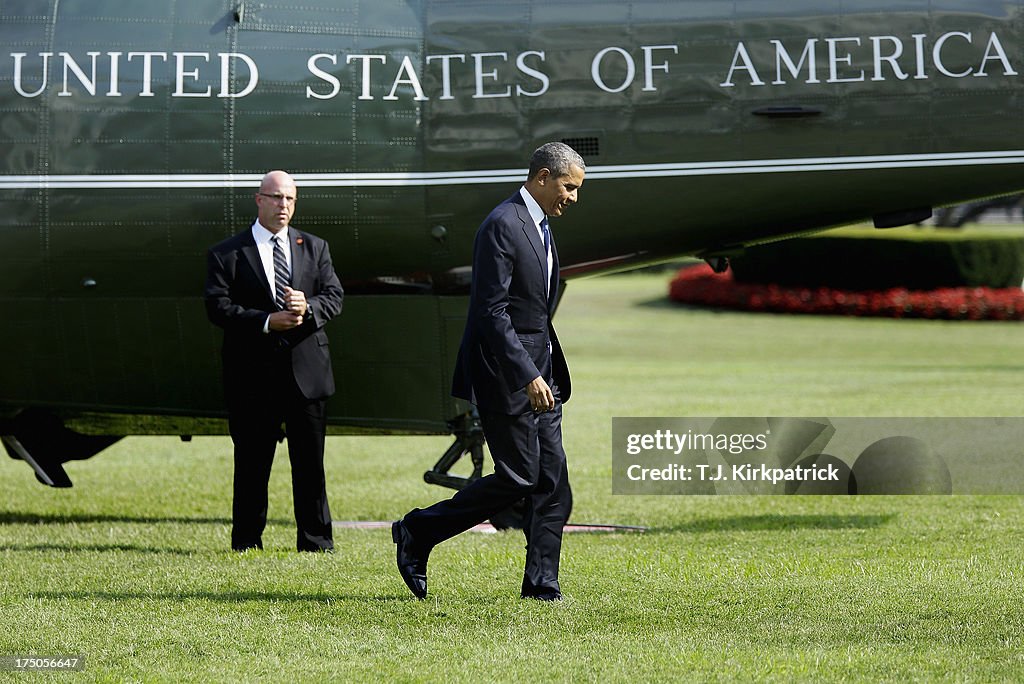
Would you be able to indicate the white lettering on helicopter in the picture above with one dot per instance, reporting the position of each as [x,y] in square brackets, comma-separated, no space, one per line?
[882,53]
[498,74]
[111,74]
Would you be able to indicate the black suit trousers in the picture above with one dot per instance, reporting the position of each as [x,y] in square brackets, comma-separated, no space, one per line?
[255,422]
[529,463]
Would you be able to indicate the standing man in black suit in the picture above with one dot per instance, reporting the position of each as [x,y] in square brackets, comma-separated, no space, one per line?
[272,289]
[511,366]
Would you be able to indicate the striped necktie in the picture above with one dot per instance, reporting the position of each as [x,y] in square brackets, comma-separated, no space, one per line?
[281,276]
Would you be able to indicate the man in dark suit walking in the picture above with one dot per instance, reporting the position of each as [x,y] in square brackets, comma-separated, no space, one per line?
[272,289]
[511,366]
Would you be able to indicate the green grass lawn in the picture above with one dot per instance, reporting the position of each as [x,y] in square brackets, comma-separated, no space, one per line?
[130,568]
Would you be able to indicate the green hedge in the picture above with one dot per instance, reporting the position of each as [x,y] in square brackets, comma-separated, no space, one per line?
[864,259]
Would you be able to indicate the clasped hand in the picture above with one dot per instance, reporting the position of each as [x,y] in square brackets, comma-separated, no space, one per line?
[291,317]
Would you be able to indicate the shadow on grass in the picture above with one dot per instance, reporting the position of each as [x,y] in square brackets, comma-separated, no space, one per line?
[216,597]
[775,523]
[17,518]
[96,548]
[665,303]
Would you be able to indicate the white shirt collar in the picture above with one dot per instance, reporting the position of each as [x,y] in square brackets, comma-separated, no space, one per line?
[261,235]
[536,213]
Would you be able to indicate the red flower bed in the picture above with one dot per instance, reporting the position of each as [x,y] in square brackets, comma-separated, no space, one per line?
[701,286]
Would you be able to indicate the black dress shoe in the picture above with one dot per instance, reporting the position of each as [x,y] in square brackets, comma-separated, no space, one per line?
[549,595]
[240,547]
[412,561]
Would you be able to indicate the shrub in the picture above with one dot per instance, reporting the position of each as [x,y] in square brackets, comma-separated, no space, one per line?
[701,286]
[916,259]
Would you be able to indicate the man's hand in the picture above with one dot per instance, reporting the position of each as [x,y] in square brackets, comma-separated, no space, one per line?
[295,300]
[284,320]
[541,398]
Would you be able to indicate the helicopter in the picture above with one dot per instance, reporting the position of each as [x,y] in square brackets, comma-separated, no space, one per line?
[135,135]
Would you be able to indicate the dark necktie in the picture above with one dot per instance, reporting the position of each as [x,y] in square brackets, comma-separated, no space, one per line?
[281,278]
[546,231]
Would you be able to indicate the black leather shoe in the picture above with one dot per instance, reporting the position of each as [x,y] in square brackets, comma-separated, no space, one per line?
[549,595]
[412,562]
[243,546]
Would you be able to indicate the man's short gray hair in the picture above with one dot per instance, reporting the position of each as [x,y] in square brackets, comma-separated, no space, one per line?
[556,157]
